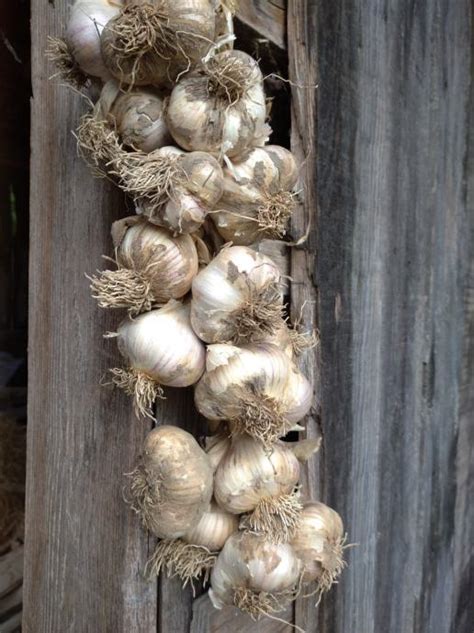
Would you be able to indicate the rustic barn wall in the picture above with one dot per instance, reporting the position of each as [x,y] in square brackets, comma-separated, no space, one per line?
[386,273]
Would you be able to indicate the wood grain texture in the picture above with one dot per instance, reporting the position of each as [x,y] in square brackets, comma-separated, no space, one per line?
[206,619]
[302,58]
[396,310]
[267,17]
[85,552]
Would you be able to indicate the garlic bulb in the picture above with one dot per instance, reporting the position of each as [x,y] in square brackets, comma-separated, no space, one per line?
[161,349]
[318,543]
[236,298]
[213,529]
[171,188]
[252,479]
[137,116]
[86,23]
[152,41]
[153,267]
[220,107]
[256,388]
[255,575]
[195,553]
[172,485]
[258,197]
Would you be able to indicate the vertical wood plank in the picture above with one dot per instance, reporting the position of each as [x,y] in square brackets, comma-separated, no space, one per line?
[302,57]
[85,552]
[395,232]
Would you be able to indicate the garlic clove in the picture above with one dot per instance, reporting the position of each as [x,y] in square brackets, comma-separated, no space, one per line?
[255,575]
[194,554]
[213,528]
[216,447]
[299,396]
[172,485]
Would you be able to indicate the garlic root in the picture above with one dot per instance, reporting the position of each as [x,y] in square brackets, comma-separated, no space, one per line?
[60,54]
[187,561]
[261,417]
[259,315]
[276,517]
[97,142]
[141,387]
[262,603]
[274,212]
[122,288]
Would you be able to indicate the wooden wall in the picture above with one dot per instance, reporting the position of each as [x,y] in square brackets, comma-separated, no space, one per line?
[386,274]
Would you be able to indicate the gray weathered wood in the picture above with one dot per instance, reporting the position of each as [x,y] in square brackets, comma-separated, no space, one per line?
[304,297]
[394,270]
[206,619]
[267,17]
[84,551]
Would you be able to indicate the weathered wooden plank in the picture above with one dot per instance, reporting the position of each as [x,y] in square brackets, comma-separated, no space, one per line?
[85,553]
[302,60]
[11,571]
[206,619]
[267,17]
[395,231]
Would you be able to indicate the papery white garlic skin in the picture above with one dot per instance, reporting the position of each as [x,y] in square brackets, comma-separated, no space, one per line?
[250,561]
[236,376]
[183,213]
[168,263]
[282,339]
[200,119]
[195,186]
[249,473]
[233,278]
[203,177]
[216,447]
[298,395]
[213,529]
[162,345]
[178,479]
[318,538]
[86,22]
[139,120]
[260,180]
